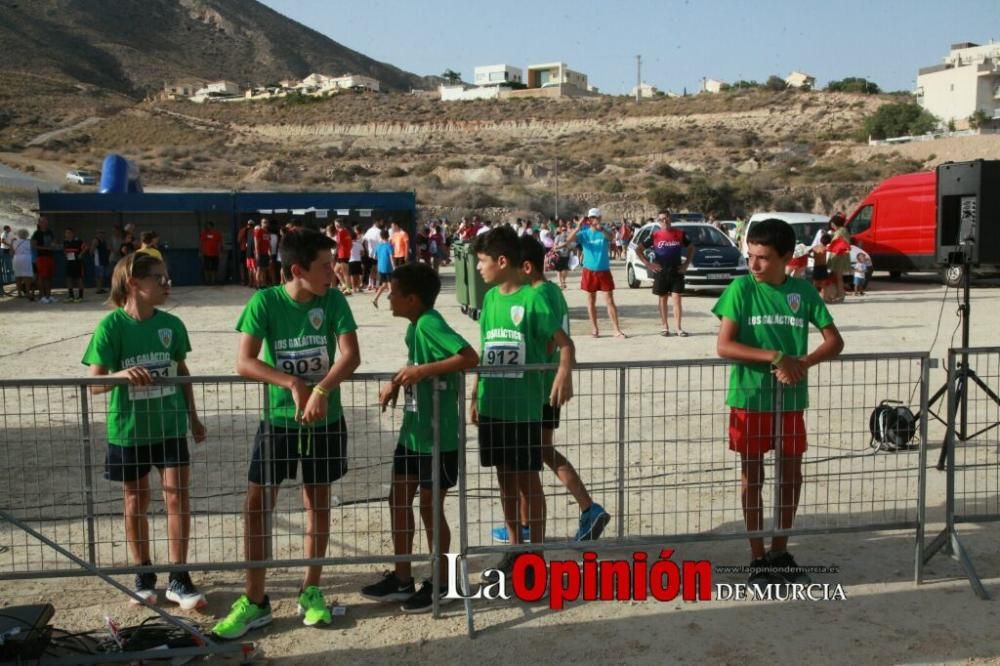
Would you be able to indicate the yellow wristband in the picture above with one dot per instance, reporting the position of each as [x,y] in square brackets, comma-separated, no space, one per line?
[777,359]
[319,389]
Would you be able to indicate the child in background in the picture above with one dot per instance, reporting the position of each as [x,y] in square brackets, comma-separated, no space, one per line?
[383,264]
[147,422]
[435,356]
[861,266]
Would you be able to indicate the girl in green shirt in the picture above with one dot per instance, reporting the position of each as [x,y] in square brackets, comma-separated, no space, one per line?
[148,421]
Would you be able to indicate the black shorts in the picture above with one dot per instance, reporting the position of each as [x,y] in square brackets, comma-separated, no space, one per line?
[514,445]
[384,278]
[421,465]
[131,463]
[211,263]
[74,269]
[561,263]
[368,263]
[550,417]
[324,454]
[668,281]
[354,268]
[263,260]
[820,272]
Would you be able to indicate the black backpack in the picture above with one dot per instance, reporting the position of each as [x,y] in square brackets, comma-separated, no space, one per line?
[892,425]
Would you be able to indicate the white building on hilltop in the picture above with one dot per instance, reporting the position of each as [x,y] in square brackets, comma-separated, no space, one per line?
[800,80]
[966,82]
[492,75]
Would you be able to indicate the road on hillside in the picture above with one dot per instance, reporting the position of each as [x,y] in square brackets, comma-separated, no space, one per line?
[12,178]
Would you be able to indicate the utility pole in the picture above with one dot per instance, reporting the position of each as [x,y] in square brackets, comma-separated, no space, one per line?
[557,189]
[638,78]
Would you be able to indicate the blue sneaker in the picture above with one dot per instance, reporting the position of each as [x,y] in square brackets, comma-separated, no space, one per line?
[501,535]
[592,523]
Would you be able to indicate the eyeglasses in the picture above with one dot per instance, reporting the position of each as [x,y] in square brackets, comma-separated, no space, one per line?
[160,278]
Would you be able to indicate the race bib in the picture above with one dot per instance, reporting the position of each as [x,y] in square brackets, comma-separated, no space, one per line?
[303,362]
[159,369]
[410,397]
[506,354]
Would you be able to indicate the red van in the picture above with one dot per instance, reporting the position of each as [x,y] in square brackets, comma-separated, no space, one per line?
[896,224]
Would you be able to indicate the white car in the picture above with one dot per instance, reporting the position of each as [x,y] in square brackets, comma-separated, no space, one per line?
[716,261]
[81,177]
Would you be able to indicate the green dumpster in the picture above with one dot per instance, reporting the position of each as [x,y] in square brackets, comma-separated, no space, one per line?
[458,252]
[477,288]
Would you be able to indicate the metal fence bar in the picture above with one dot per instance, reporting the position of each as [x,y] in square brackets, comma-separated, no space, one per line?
[88,474]
[622,406]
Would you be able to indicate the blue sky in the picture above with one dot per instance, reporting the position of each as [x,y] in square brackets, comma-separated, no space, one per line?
[680,41]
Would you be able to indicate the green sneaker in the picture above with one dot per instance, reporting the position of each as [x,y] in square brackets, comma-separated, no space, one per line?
[244,616]
[312,607]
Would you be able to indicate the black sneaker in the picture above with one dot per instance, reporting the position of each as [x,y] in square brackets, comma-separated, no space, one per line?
[389,589]
[505,565]
[182,591]
[761,574]
[784,566]
[145,589]
[423,600]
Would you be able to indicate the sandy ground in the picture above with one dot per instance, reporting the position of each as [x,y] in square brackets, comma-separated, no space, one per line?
[884,619]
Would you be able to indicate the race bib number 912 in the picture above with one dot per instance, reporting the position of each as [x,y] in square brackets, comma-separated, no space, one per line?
[504,355]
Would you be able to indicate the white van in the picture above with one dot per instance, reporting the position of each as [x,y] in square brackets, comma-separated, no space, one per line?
[808,228]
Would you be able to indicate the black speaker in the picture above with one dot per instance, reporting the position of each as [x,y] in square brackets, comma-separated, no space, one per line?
[968,213]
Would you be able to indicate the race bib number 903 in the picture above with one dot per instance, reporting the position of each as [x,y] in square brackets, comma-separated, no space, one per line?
[312,361]
[504,355]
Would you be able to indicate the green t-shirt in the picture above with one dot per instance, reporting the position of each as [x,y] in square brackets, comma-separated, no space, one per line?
[776,318]
[298,339]
[515,330]
[557,302]
[430,340]
[142,415]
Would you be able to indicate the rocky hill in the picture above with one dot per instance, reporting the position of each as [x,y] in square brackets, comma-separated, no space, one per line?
[135,46]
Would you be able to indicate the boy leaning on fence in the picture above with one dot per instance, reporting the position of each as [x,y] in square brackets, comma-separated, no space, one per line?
[435,355]
[593,517]
[765,319]
[517,325]
[300,326]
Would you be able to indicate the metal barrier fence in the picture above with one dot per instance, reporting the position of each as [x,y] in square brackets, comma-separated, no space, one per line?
[648,440]
[971,454]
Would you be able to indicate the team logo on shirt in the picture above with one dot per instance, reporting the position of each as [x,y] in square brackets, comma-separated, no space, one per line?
[794,301]
[516,314]
[166,336]
[316,317]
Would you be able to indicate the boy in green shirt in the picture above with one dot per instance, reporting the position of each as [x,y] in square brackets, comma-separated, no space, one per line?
[434,351]
[765,319]
[300,326]
[593,517]
[517,325]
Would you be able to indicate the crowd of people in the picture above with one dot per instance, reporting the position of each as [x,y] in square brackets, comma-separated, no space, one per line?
[33,258]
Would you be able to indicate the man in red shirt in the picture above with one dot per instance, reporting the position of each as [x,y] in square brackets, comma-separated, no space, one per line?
[672,252]
[262,252]
[344,240]
[210,247]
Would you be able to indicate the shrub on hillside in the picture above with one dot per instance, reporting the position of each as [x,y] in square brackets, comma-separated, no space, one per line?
[898,119]
[854,84]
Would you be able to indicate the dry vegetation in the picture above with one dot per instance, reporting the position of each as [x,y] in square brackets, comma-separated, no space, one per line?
[727,153]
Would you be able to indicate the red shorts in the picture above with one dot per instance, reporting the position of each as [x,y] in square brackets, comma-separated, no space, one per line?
[752,433]
[251,264]
[45,267]
[594,281]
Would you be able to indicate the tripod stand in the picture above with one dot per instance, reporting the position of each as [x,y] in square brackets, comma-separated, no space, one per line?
[963,373]
[956,388]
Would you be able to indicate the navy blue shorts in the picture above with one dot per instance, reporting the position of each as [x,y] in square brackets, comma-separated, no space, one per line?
[131,463]
[323,452]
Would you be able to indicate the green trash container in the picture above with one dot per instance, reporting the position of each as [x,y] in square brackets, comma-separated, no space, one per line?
[458,253]
[477,288]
